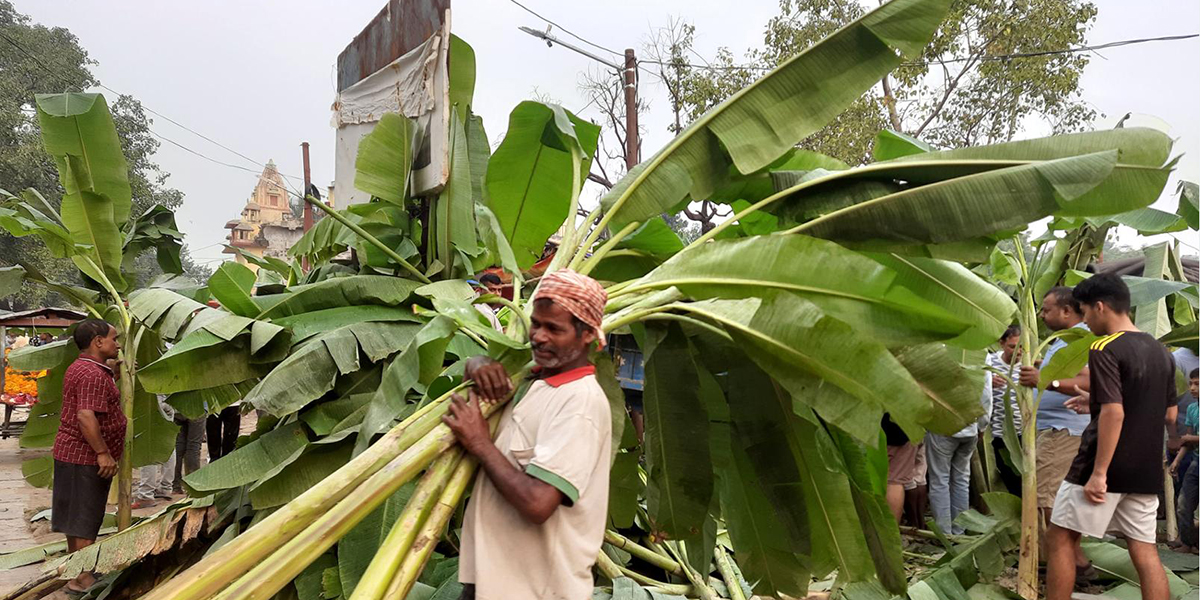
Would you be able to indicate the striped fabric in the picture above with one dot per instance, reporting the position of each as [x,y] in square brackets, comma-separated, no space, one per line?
[580,295]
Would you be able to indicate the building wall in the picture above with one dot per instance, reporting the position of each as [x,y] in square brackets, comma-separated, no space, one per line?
[281,236]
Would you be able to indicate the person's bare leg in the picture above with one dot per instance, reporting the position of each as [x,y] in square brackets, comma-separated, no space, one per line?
[1060,562]
[84,580]
[895,500]
[1149,569]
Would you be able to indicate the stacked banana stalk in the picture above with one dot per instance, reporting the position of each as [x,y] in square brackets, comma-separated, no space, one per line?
[263,560]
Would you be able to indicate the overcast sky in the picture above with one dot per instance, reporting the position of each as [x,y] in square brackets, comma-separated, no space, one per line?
[259,76]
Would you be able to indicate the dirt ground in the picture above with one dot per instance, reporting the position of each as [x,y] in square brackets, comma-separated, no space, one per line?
[19,502]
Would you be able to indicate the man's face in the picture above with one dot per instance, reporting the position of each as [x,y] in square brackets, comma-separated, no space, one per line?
[1095,316]
[495,288]
[1054,313]
[552,333]
[1009,347]
[1194,387]
[107,346]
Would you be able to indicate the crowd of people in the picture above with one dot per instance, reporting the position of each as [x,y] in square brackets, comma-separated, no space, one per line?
[1103,438]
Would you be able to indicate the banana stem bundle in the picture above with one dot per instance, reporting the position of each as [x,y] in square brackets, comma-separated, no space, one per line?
[264,559]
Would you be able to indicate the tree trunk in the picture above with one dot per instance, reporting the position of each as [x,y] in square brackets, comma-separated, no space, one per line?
[125,466]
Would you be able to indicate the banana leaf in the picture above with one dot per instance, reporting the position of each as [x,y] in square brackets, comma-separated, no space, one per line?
[1189,203]
[315,364]
[761,122]
[680,485]
[248,463]
[155,229]
[893,144]
[845,284]
[232,284]
[78,132]
[1151,317]
[335,293]
[529,178]
[385,158]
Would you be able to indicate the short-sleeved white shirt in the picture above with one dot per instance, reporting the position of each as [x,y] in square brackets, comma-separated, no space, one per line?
[560,432]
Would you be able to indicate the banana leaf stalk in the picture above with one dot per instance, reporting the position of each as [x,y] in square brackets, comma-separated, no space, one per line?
[243,552]
[382,569]
[725,567]
[272,574]
[612,570]
[431,531]
[619,541]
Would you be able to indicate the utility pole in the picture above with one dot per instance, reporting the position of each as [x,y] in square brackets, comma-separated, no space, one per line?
[632,143]
[628,74]
[308,216]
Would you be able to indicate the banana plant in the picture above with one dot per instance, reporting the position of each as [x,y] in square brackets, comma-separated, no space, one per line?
[774,343]
[94,228]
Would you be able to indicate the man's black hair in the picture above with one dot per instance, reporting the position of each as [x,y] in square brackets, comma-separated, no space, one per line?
[580,326]
[1195,374]
[1107,288]
[1065,296]
[88,330]
[1011,331]
[490,279]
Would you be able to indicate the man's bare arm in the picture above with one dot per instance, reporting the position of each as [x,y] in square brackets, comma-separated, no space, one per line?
[1112,418]
[535,499]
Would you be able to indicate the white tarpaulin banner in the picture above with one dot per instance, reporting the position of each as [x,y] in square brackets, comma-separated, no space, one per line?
[415,85]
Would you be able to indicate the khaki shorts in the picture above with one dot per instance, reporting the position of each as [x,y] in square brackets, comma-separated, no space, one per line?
[902,464]
[1056,450]
[1134,515]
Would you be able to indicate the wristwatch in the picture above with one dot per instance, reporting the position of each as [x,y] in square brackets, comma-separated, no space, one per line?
[1054,385]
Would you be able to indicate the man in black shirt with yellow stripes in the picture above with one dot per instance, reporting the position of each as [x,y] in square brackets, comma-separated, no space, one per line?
[1114,482]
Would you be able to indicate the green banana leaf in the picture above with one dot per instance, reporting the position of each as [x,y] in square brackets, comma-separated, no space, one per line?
[315,462]
[200,360]
[78,132]
[967,206]
[894,144]
[305,325]
[155,229]
[356,549]
[314,365]
[194,404]
[385,158]
[845,284]
[453,215]
[413,369]
[23,216]
[529,177]
[250,462]
[755,126]
[1144,290]
[959,292]
[335,293]
[153,434]
[1184,336]
[755,186]
[47,356]
[462,75]
[1189,203]
[232,285]
[1152,317]
[1150,221]
[758,537]
[848,379]
[680,485]
[1141,157]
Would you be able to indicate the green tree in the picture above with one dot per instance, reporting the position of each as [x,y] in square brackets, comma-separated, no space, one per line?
[39,59]
[953,95]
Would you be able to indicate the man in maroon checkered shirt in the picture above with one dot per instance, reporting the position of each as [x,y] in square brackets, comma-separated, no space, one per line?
[91,437]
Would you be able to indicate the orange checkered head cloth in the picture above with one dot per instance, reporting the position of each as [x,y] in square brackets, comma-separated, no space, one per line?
[580,295]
